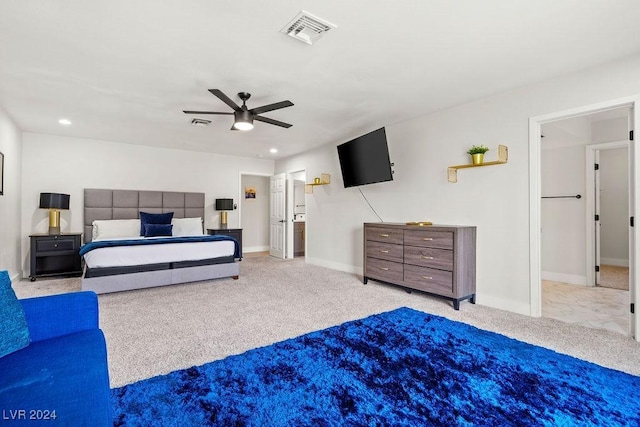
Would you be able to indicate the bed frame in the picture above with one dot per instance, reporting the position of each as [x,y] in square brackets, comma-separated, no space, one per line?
[104,204]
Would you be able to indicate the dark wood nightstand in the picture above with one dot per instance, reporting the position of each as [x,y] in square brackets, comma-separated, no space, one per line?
[236,233]
[55,255]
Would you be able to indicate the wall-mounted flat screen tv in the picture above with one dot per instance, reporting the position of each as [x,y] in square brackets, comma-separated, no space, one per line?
[365,160]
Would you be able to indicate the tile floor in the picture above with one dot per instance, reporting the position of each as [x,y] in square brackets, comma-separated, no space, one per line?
[594,307]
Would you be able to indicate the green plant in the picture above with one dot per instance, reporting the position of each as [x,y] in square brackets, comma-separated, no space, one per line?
[477,149]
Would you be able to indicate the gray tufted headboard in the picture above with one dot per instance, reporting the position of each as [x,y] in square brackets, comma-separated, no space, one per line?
[126,204]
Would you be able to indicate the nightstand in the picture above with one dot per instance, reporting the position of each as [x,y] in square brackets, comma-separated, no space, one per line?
[236,233]
[55,255]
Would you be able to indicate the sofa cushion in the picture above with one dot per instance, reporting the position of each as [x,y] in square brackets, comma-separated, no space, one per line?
[14,332]
[67,375]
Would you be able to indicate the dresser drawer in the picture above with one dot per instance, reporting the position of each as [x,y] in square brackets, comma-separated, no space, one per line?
[427,238]
[60,244]
[380,234]
[429,257]
[386,251]
[430,280]
[384,270]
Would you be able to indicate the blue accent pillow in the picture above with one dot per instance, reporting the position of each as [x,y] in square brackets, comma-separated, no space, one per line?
[150,218]
[14,332]
[154,230]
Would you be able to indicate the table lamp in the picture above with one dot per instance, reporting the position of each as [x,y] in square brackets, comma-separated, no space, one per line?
[224,205]
[54,202]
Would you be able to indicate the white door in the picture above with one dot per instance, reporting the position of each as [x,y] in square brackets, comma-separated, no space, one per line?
[277,216]
[290,215]
[634,238]
[597,229]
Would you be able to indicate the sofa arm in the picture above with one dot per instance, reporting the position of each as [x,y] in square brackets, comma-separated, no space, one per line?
[56,315]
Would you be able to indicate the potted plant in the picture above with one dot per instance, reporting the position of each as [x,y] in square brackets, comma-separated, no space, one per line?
[477,153]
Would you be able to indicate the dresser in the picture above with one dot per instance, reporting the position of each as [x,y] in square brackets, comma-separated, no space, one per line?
[437,259]
[55,255]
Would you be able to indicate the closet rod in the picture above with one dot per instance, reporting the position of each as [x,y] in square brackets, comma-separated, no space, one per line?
[577,196]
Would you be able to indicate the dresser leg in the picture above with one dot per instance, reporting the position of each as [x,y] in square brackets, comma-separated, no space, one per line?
[365,280]
[456,304]
[472,300]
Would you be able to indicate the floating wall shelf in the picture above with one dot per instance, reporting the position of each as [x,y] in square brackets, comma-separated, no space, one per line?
[503,156]
[324,179]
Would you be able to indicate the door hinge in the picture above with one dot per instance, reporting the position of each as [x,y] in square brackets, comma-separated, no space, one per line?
[633,308]
[597,217]
[630,135]
[597,268]
[631,221]
[596,166]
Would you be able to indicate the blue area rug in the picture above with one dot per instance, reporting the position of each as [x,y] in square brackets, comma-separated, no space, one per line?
[401,368]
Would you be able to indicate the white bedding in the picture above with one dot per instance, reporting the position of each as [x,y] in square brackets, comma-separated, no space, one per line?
[122,256]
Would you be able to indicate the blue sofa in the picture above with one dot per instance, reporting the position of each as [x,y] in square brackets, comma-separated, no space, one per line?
[61,377]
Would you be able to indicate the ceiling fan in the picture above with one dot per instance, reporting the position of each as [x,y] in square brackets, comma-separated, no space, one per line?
[243,116]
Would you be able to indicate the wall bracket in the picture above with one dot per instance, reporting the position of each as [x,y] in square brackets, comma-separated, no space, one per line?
[503,156]
[324,179]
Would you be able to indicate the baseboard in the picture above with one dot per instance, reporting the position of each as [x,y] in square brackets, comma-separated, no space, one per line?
[503,304]
[572,279]
[334,265]
[615,262]
[246,250]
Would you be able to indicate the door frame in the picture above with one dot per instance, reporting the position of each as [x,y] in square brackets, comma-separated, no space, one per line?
[591,205]
[535,142]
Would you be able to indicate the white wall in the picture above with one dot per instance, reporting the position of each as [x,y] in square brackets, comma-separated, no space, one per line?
[255,215]
[495,198]
[69,165]
[610,130]
[10,201]
[614,207]
[563,221]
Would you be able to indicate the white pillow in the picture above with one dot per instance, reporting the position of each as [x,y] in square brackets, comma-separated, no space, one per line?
[115,228]
[187,226]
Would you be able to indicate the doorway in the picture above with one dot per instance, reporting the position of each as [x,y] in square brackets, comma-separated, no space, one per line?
[287,215]
[535,187]
[253,196]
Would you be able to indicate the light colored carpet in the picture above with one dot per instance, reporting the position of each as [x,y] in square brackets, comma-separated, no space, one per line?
[614,277]
[155,331]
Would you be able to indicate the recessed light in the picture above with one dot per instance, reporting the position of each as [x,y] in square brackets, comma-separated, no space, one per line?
[65,122]
[273,150]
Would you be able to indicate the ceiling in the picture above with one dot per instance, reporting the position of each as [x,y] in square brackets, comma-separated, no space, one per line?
[124,70]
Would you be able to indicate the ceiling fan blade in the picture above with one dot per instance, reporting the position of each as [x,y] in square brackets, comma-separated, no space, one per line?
[206,112]
[272,122]
[271,107]
[224,98]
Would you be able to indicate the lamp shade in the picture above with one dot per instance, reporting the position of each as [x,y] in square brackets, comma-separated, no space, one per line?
[224,204]
[54,201]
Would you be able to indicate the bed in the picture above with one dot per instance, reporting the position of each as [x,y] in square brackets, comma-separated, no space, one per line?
[116,258]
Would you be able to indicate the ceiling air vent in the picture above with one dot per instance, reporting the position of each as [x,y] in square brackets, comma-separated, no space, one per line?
[200,122]
[307,28]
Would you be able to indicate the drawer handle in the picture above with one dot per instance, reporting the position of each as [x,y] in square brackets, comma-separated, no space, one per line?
[426,257]
[384,268]
[384,251]
[427,277]
[55,245]
[384,235]
[427,238]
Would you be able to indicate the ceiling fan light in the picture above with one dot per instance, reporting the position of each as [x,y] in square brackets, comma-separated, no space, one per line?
[243,125]
[243,120]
